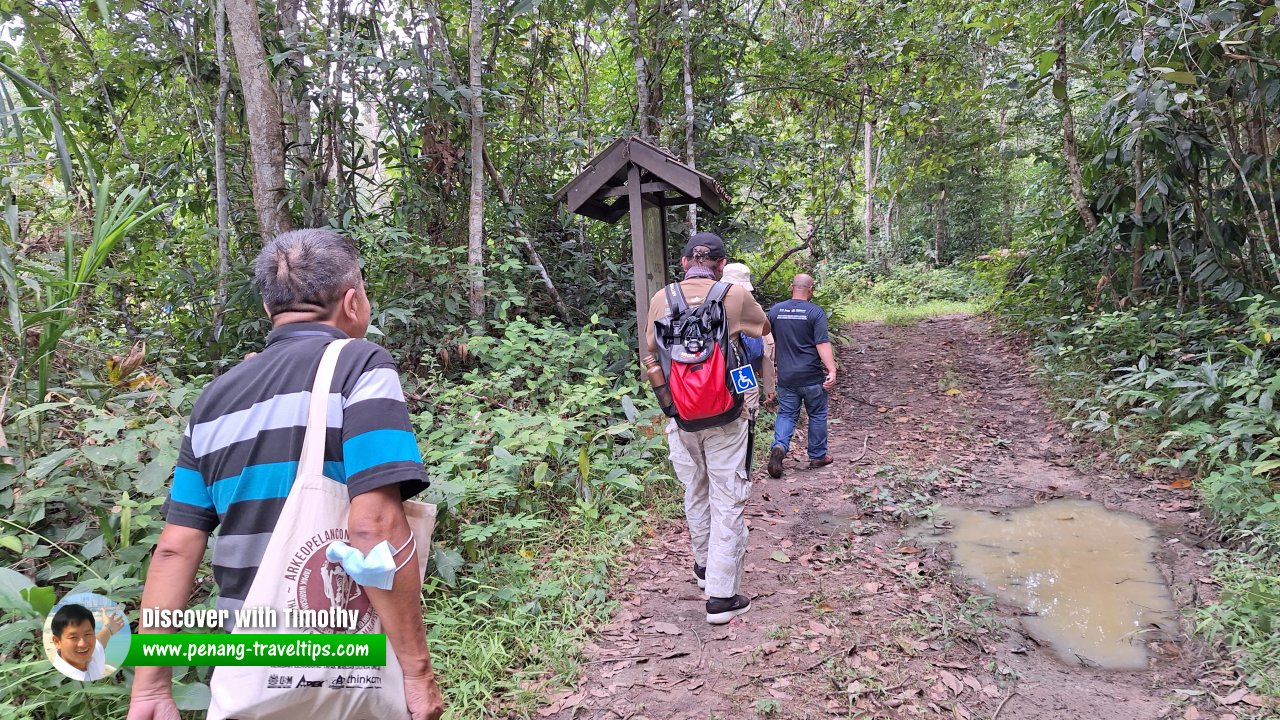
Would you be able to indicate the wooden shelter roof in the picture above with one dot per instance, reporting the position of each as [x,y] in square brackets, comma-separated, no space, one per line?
[600,190]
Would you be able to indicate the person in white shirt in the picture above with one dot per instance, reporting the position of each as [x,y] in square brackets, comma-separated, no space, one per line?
[78,648]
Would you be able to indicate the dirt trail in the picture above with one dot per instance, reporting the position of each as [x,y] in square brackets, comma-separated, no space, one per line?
[850,618]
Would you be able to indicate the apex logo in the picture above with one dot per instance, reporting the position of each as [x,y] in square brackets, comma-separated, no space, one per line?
[304,682]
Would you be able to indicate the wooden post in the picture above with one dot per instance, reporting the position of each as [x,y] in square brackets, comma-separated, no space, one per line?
[655,245]
[639,259]
[648,249]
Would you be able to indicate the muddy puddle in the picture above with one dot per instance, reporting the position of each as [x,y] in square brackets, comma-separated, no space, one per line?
[1083,573]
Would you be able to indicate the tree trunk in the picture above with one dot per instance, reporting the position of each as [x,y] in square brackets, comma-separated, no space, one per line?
[220,169]
[475,244]
[642,76]
[1006,205]
[296,105]
[1063,90]
[886,243]
[940,225]
[344,182]
[1139,232]
[688,105]
[436,35]
[262,115]
[868,188]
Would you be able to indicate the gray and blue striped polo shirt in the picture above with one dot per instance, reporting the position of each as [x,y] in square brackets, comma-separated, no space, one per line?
[241,447]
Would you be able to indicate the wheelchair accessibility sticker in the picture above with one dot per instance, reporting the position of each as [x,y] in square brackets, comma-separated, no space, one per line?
[744,379]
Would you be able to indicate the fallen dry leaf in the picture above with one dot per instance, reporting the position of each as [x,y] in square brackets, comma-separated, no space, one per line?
[666,628]
[952,683]
[561,702]
[818,627]
[1180,484]
[1233,698]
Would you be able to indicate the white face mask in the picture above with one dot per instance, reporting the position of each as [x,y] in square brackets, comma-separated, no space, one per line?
[377,569]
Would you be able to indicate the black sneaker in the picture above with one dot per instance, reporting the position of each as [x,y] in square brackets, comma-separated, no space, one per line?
[775,461]
[700,574]
[722,610]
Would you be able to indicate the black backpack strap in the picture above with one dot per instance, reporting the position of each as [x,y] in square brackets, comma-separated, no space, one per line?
[675,300]
[712,308]
[718,292]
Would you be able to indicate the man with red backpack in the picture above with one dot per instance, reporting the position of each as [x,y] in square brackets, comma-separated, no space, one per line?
[694,327]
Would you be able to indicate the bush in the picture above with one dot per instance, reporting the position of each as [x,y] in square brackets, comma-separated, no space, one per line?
[1194,392]
[541,455]
[919,284]
[82,509]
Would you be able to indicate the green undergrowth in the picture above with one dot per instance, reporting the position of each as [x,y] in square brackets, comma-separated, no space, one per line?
[868,311]
[905,295]
[1190,395]
[513,628]
[546,463]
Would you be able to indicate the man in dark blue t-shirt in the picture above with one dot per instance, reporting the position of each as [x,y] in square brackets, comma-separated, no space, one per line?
[806,370]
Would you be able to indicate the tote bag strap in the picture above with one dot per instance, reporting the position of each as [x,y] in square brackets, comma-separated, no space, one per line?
[311,463]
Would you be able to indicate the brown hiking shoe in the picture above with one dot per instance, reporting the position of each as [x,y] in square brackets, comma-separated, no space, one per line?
[823,461]
[775,461]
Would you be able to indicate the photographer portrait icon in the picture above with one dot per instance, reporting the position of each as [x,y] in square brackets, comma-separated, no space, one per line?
[77,638]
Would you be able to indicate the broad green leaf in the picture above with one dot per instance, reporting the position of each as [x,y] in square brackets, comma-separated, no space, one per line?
[155,475]
[12,585]
[1263,468]
[1181,76]
[41,599]
[447,563]
[192,696]
[47,464]
[1045,61]
[94,547]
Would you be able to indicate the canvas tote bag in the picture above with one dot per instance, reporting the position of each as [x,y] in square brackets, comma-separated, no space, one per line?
[296,574]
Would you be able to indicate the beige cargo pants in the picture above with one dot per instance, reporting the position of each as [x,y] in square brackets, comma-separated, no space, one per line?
[712,465]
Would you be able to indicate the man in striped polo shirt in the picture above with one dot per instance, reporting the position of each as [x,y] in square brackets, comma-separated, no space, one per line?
[241,447]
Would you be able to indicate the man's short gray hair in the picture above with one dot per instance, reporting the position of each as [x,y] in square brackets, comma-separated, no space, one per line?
[306,270]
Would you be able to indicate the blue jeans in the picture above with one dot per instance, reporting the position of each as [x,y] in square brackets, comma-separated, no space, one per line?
[815,404]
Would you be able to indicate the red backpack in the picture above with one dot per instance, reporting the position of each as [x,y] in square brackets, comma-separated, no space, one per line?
[696,356]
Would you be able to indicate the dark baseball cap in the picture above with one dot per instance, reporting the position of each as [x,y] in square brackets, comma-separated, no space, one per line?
[710,241]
